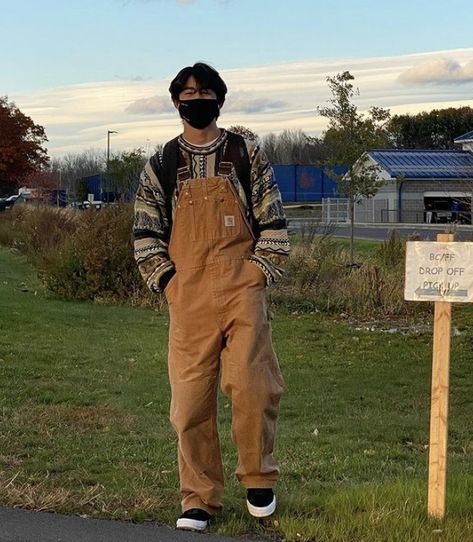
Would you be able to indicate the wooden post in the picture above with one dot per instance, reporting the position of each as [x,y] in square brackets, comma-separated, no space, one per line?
[439,403]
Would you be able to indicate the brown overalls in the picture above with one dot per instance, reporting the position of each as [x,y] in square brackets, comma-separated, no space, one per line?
[219,323]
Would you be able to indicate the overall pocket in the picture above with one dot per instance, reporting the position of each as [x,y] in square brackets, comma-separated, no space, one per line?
[224,216]
[168,291]
[256,271]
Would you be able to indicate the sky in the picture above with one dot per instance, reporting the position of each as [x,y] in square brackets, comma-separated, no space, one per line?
[80,68]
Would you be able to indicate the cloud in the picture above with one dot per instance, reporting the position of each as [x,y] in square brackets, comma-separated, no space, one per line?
[131,78]
[438,70]
[151,106]
[264,98]
[247,103]
[244,102]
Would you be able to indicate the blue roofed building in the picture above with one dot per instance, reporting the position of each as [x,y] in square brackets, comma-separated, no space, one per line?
[421,185]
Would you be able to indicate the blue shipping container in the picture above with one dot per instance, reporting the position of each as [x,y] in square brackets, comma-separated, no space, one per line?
[285,177]
[306,183]
[329,185]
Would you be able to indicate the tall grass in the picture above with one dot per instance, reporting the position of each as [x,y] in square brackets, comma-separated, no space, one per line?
[79,254]
[320,277]
[88,255]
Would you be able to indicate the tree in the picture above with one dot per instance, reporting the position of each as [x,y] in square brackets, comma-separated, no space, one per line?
[269,144]
[245,132]
[432,130]
[82,190]
[41,179]
[292,147]
[21,150]
[124,170]
[349,135]
[73,167]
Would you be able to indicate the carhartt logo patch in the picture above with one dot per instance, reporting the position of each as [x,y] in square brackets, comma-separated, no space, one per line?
[229,220]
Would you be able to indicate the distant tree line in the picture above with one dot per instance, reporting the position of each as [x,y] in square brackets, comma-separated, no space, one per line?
[430,130]
[436,129]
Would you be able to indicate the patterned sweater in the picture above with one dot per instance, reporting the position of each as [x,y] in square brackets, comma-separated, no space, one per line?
[150,226]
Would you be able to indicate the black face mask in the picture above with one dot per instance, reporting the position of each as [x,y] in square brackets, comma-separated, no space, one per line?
[199,113]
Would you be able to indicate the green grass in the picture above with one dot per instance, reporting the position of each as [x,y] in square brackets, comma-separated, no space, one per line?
[362,247]
[84,421]
[304,211]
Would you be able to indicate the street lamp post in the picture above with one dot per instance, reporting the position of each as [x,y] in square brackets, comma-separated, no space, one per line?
[108,151]
[108,144]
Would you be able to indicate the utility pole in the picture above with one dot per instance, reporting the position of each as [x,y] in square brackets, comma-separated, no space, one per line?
[108,144]
[108,153]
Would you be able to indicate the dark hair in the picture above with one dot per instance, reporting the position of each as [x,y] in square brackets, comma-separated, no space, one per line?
[206,77]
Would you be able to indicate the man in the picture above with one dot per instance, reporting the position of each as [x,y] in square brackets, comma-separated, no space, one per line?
[210,232]
[428,213]
[455,210]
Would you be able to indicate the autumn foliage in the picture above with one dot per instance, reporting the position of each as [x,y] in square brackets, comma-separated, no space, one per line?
[21,150]
[40,179]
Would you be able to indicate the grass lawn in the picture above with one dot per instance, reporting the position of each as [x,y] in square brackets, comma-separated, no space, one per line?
[362,247]
[84,421]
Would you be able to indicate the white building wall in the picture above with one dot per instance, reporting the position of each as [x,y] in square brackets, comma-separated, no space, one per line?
[467,146]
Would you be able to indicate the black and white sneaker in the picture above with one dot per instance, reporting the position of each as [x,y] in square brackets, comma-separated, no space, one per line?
[194,519]
[261,502]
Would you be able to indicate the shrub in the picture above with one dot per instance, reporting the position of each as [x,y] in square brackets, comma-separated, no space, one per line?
[88,255]
[392,252]
[11,220]
[319,277]
[80,254]
[96,262]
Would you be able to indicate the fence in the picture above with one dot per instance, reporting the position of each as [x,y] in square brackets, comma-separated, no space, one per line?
[368,211]
[335,210]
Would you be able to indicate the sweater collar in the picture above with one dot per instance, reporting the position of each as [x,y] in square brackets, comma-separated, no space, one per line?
[206,149]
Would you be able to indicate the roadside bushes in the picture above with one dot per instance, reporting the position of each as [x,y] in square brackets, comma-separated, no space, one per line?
[80,254]
[96,260]
[320,277]
[39,230]
[88,255]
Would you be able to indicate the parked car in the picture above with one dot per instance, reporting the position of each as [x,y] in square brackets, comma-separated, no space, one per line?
[7,202]
[96,204]
[76,205]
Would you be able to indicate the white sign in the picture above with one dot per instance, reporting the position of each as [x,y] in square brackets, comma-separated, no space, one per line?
[439,271]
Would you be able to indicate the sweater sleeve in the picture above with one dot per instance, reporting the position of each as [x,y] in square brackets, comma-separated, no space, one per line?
[151,231]
[272,245]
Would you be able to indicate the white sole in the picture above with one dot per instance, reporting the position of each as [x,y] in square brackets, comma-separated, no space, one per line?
[262,511]
[191,524]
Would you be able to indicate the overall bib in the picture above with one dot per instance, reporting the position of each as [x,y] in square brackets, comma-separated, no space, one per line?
[219,328]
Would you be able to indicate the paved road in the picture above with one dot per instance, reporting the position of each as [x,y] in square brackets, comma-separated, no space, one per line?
[26,526]
[380,232]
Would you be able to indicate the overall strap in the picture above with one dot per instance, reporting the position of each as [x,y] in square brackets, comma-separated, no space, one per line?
[237,153]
